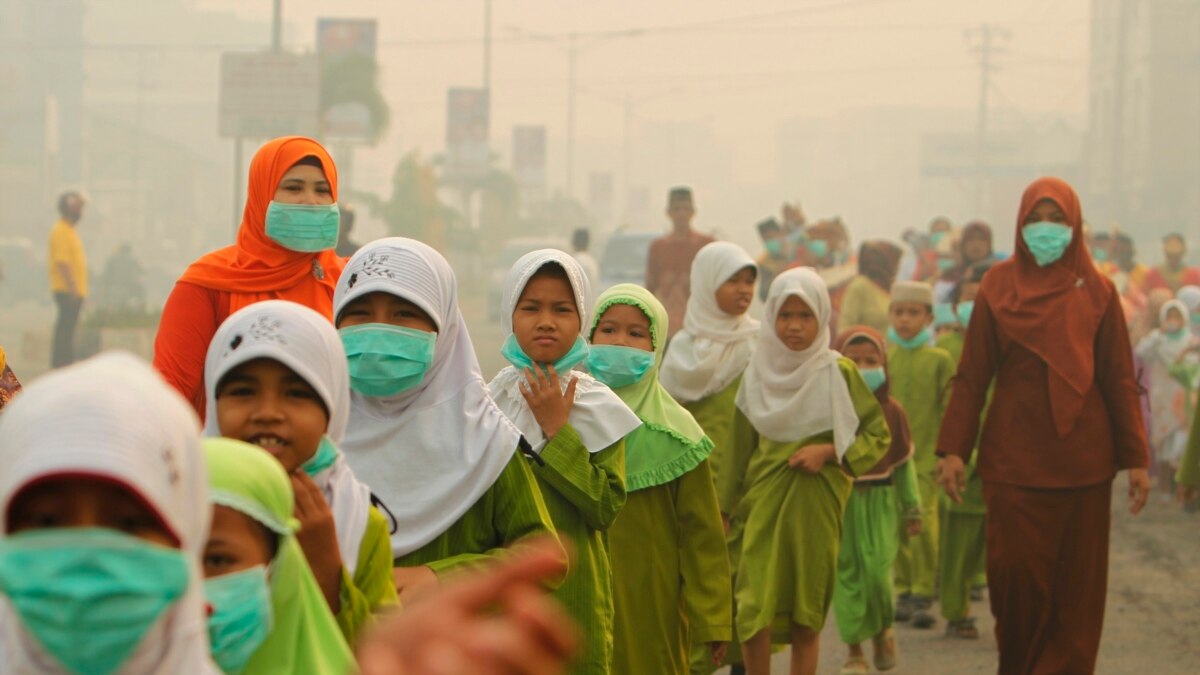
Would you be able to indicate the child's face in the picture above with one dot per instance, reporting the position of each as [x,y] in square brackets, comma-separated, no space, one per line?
[734,296]
[236,542]
[910,318]
[86,502]
[624,326]
[266,403]
[864,354]
[380,307]
[796,325]
[968,291]
[1173,321]
[546,320]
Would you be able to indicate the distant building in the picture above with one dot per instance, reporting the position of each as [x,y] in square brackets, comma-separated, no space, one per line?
[1143,160]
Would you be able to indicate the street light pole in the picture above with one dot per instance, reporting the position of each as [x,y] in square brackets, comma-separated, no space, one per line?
[572,57]
[277,26]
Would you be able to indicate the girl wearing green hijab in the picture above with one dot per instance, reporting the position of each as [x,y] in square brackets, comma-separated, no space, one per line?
[268,614]
[671,574]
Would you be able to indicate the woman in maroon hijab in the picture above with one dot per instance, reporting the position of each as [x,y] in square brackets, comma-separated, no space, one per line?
[1063,420]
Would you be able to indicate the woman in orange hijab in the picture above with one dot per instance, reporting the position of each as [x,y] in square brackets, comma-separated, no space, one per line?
[1064,419]
[284,250]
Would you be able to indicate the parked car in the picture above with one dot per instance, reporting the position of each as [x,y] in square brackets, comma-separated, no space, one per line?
[508,256]
[624,259]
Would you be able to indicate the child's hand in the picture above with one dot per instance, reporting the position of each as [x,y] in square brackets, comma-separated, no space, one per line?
[952,476]
[811,458]
[913,526]
[550,405]
[412,582]
[1139,489]
[318,537]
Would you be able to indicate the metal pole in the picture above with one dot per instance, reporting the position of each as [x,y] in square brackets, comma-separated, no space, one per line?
[277,26]
[985,66]
[572,56]
[626,162]
[487,45]
[237,185]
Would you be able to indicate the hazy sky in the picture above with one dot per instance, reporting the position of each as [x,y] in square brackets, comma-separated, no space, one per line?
[734,67]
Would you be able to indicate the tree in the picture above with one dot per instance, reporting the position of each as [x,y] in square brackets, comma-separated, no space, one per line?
[352,79]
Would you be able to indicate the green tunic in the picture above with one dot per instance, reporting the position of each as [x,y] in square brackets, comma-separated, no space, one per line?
[671,578]
[792,523]
[864,303]
[734,441]
[584,492]
[920,381]
[1188,474]
[511,510]
[372,589]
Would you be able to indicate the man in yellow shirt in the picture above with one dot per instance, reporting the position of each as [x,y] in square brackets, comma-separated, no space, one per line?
[68,276]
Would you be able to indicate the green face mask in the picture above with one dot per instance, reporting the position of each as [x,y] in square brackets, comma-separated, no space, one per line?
[915,342]
[512,352]
[1047,241]
[326,455]
[306,228]
[387,360]
[619,366]
[241,617]
[88,595]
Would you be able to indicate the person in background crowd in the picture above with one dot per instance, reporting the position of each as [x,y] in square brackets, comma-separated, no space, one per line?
[866,299]
[68,276]
[777,253]
[1163,351]
[1101,249]
[669,262]
[1049,330]
[975,247]
[921,376]
[581,241]
[1190,297]
[346,246]
[1129,274]
[1173,273]
[284,251]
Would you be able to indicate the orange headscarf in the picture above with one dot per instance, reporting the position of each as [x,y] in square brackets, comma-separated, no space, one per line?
[256,268]
[1053,311]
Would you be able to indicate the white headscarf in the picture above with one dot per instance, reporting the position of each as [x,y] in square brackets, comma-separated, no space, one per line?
[789,395]
[306,342]
[430,452]
[599,416]
[113,417]
[714,347]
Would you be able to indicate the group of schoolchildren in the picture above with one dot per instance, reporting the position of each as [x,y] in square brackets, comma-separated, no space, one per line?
[716,495]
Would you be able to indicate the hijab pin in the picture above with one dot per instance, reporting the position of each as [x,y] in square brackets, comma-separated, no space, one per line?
[1078,282]
[318,271]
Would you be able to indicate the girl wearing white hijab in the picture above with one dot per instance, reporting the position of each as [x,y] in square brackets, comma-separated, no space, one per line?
[352,561]
[423,431]
[104,503]
[817,421]
[577,427]
[703,370]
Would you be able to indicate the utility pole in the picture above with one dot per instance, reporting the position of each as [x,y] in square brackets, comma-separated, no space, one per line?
[277,26]
[572,57]
[487,47]
[987,50]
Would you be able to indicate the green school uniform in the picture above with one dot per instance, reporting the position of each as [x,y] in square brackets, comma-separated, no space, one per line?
[511,509]
[371,590]
[863,601]
[717,414]
[584,492]
[671,577]
[920,381]
[791,523]
[1188,474]
[864,303]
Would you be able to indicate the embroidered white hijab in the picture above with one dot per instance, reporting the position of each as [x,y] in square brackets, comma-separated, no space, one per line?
[430,452]
[713,348]
[305,341]
[599,416]
[789,395]
[114,417]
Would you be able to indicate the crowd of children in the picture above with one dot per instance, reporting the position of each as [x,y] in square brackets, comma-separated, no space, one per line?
[715,496]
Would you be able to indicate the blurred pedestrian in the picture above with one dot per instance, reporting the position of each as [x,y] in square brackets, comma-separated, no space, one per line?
[68,276]
[669,263]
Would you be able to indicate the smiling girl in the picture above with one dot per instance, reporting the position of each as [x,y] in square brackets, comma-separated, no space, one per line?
[277,378]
